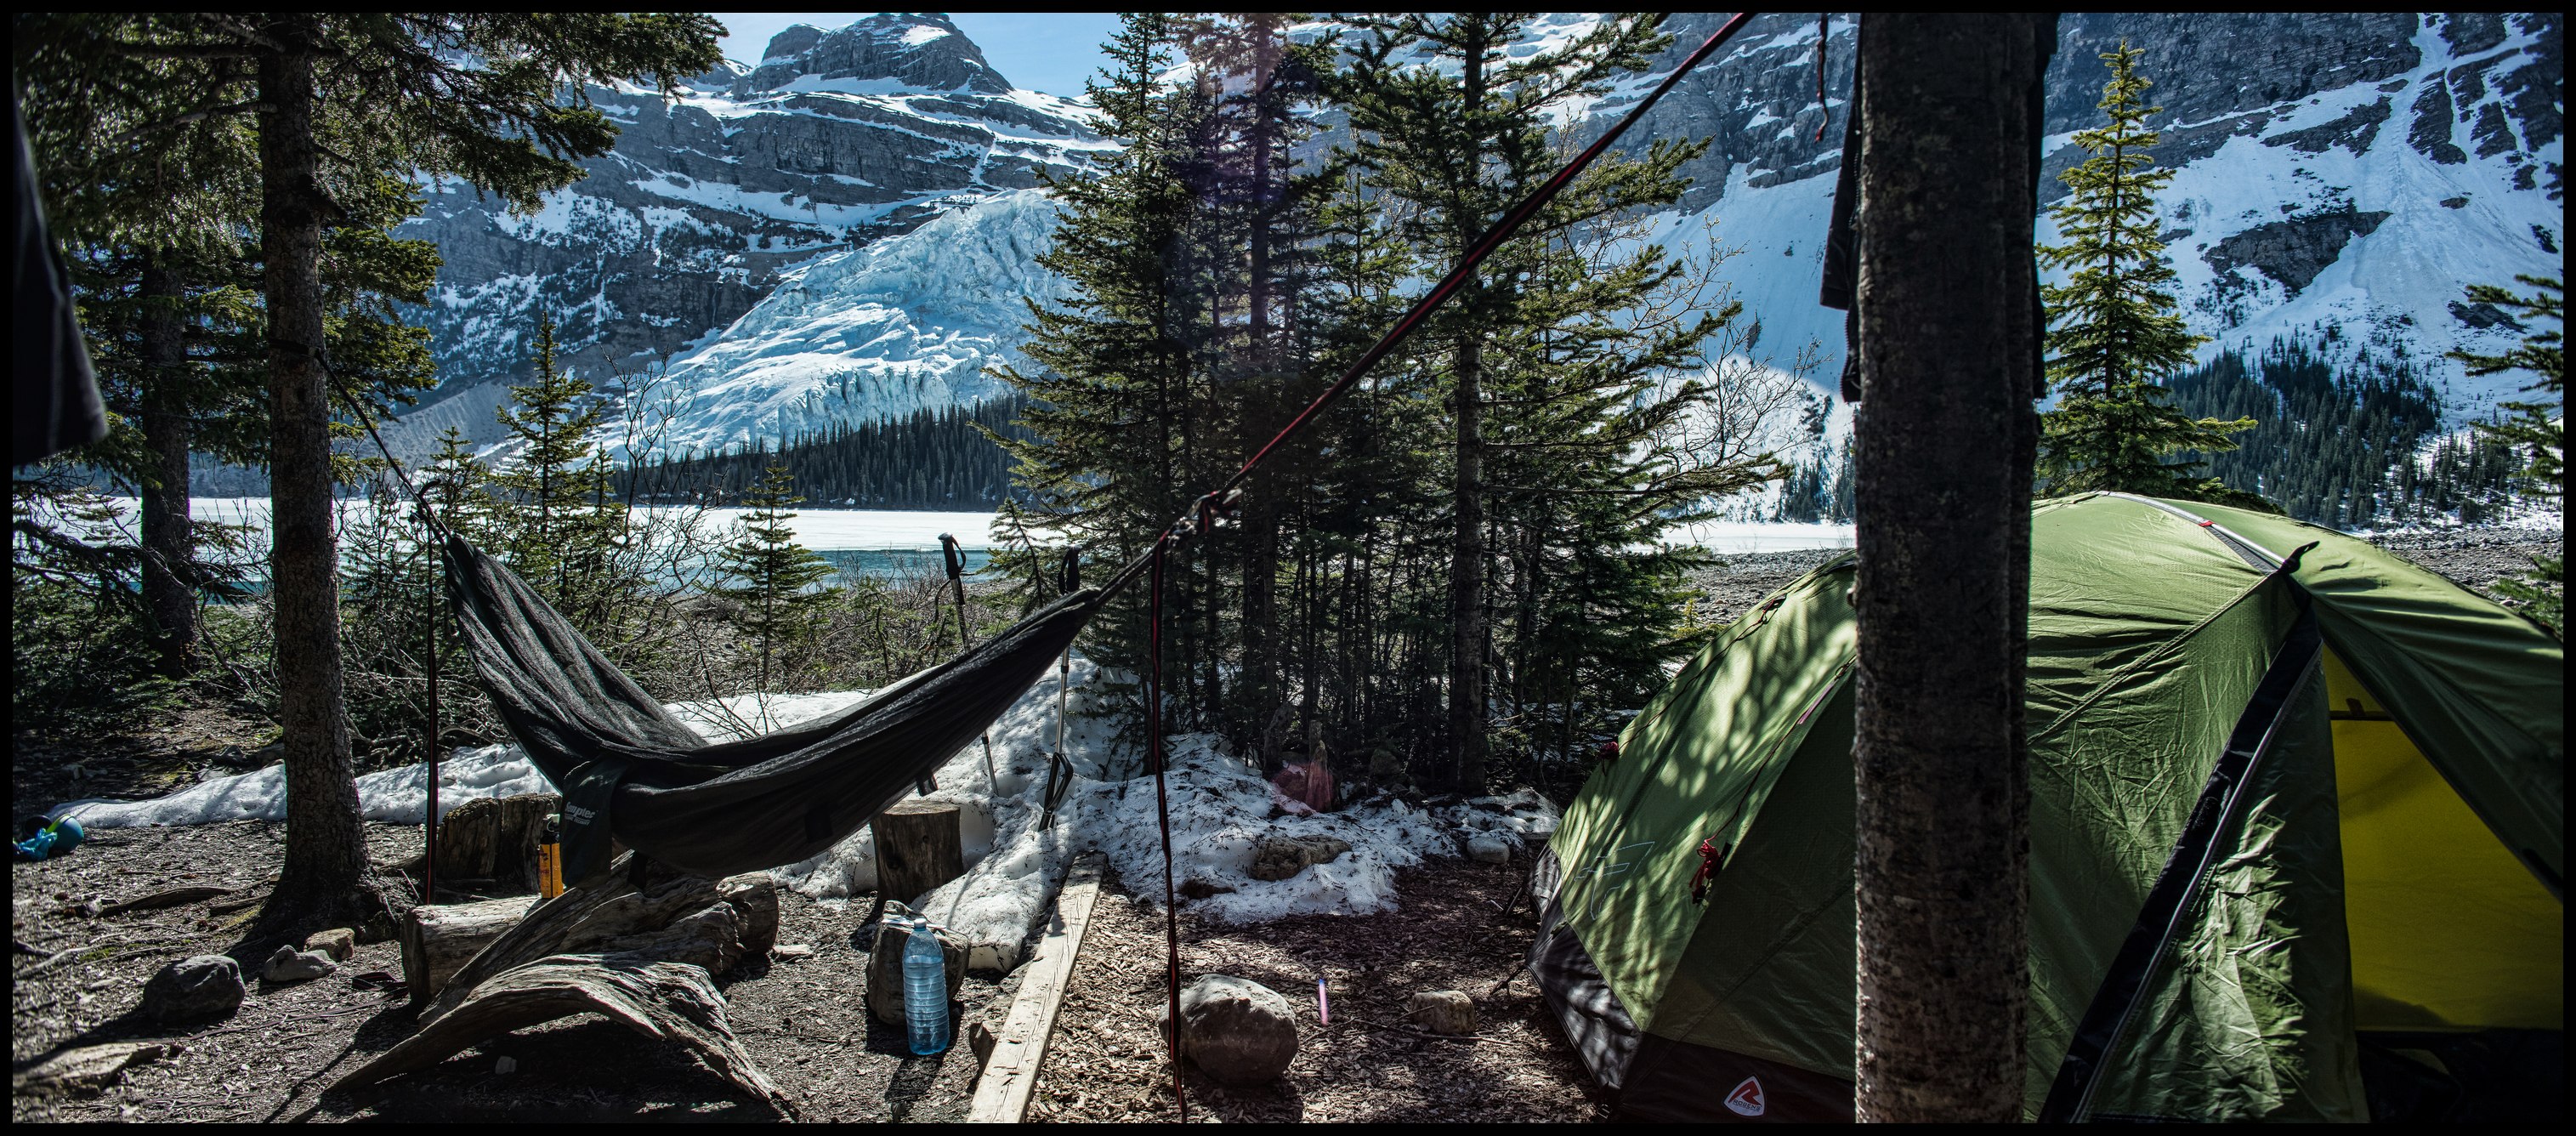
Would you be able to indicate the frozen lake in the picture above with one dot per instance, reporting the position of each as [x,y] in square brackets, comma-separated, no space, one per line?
[885,542]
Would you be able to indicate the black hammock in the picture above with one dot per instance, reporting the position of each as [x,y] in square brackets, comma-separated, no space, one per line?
[627,767]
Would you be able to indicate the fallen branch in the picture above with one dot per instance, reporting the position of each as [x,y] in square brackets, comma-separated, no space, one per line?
[172,898]
[673,1001]
[40,968]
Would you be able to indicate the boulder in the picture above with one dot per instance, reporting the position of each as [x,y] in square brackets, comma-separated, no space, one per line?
[1485,847]
[338,942]
[1442,1011]
[1237,1030]
[291,965]
[1279,857]
[885,971]
[200,986]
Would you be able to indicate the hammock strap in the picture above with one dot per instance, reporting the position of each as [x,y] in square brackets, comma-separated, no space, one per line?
[1163,818]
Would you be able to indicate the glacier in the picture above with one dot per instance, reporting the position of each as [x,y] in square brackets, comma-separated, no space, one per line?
[908,323]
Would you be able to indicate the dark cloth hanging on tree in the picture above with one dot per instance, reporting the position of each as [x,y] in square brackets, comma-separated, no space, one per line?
[53,404]
[1841,287]
[627,767]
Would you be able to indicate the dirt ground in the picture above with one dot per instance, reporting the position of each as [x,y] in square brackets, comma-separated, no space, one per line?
[803,1021]
[1367,1064]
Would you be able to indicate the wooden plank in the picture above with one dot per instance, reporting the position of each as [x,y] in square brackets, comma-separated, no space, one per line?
[1002,1095]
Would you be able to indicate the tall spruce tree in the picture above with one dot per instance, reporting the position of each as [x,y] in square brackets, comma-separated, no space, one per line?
[342,100]
[1112,367]
[1452,128]
[775,602]
[2538,429]
[2115,333]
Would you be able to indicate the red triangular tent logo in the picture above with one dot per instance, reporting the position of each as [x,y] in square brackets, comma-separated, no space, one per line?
[1746,1100]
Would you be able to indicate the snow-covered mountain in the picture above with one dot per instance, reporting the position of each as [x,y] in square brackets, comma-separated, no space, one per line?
[2349,170]
[713,197]
[2346,171]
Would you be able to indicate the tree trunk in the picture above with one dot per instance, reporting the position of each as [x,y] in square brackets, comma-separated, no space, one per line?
[1467,585]
[169,546]
[1947,349]
[1467,552]
[325,844]
[918,848]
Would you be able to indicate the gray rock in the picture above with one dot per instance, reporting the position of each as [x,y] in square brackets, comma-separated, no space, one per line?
[1236,1030]
[1279,857]
[1485,847]
[1442,1011]
[291,965]
[338,942]
[2294,251]
[885,972]
[200,986]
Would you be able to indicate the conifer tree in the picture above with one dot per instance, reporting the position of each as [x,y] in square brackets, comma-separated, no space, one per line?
[2539,429]
[342,100]
[2115,333]
[776,603]
[1528,332]
[551,419]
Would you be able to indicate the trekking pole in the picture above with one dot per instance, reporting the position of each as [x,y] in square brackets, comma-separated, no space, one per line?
[1060,762]
[956,560]
[429,811]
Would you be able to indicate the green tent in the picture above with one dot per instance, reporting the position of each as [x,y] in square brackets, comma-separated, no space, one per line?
[2296,842]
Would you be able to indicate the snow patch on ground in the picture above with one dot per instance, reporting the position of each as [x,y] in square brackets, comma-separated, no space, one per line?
[1220,809]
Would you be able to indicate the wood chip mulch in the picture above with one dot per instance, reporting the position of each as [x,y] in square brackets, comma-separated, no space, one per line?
[1368,1064]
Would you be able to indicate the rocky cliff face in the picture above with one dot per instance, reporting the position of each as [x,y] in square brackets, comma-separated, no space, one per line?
[834,140]
[2348,171]
[2335,170]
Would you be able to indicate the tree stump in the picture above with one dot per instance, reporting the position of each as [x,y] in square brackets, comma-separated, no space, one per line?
[495,839]
[439,939]
[918,848]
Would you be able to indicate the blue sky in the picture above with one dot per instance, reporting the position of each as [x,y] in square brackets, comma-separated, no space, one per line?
[1052,52]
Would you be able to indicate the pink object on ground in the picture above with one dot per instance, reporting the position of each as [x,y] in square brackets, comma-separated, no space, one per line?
[1308,785]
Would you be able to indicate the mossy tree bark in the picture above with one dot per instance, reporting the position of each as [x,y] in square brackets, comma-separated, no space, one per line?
[1947,343]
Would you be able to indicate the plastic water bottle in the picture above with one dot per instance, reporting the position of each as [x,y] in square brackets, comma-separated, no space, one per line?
[925,990]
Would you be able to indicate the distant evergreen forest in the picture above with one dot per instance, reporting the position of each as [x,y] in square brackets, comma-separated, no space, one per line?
[2341,446]
[933,459]
[2350,446]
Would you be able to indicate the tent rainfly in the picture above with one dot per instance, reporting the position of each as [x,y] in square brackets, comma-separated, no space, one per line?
[2296,823]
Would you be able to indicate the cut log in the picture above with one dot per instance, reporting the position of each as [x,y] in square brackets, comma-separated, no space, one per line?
[495,839]
[657,998]
[918,848]
[670,917]
[1019,1051]
[439,939]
